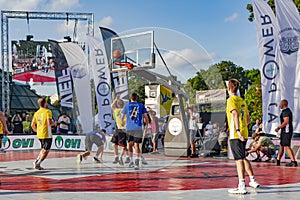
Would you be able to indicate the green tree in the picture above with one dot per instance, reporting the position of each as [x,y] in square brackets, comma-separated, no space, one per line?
[272,5]
[191,92]
[253,98]
[137,84]
[216,76]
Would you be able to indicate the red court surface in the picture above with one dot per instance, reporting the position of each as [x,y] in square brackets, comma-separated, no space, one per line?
[187,174]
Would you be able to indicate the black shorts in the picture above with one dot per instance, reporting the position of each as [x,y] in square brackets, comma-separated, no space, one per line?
[285,139]
[238,149]
[46,143]
[135,136]
[119,138]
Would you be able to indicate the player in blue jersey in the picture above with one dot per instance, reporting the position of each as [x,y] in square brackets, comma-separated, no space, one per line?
[136,115]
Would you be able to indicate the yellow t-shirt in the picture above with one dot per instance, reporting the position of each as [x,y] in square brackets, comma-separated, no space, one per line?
[237,103]
[1,128]
[117,116]
[40,118]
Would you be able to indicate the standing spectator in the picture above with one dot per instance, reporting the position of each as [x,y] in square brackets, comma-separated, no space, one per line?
[155,131]
[164,129]
[255,126]
[134,112]
[17,124]
[238,119]
[41,124]
[286,126]
[23,116]
[63,124]
[194,115]
[200,126]
[8,122]
[26,125]
[3,130]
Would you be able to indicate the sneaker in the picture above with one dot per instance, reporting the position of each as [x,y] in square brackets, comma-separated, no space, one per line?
[79,158]
[96,160]
[292,164]
[121,161]
[194,156]
[131,165]
[34,164]
[257,160]
[239,190]
[254,184]
[277,162]
[38,167]
[268,159]
[116,160]
[144,162]
[137,164]
[127,160]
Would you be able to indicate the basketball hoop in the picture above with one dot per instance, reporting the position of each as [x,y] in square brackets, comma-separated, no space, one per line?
[125,64]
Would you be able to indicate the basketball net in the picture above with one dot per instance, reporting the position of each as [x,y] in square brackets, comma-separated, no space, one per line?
[125,64]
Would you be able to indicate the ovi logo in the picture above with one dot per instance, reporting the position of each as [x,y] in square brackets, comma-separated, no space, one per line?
[59,142]
[6,142]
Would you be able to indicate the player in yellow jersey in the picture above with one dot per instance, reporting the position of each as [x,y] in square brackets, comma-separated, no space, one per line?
[119,138]
[3,129]
[41,124]
[238,119]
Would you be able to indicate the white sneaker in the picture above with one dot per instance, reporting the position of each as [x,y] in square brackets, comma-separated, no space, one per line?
[254,184]
[239,190]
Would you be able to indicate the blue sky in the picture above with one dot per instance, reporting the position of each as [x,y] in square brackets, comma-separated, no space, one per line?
[221,27]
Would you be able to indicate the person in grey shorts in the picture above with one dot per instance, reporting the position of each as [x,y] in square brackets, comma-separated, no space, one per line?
[92,138]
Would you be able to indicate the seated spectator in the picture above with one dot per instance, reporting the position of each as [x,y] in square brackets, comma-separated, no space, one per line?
[262,144]
[17,124]
[63,124]
[215,129]
[255,126]
[223,138]
[259,130]
[208,129]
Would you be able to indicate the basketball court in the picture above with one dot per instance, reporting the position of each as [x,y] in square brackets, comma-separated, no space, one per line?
[163,177]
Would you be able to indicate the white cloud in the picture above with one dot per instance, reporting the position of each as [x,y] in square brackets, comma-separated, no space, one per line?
[231,18]
[61,5]
[20,5]
[106,21]
[187,56]
[184,63]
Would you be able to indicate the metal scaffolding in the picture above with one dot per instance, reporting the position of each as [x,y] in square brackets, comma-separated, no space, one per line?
[6,15]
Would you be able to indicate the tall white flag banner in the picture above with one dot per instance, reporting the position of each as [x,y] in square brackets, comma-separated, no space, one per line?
[101,71]
[78,66]
[288,20]
[267,31]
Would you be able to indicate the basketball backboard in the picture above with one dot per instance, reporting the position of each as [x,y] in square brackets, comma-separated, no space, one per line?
[137,50]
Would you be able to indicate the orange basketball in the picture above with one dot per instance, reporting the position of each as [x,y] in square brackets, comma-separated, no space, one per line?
[117,54]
